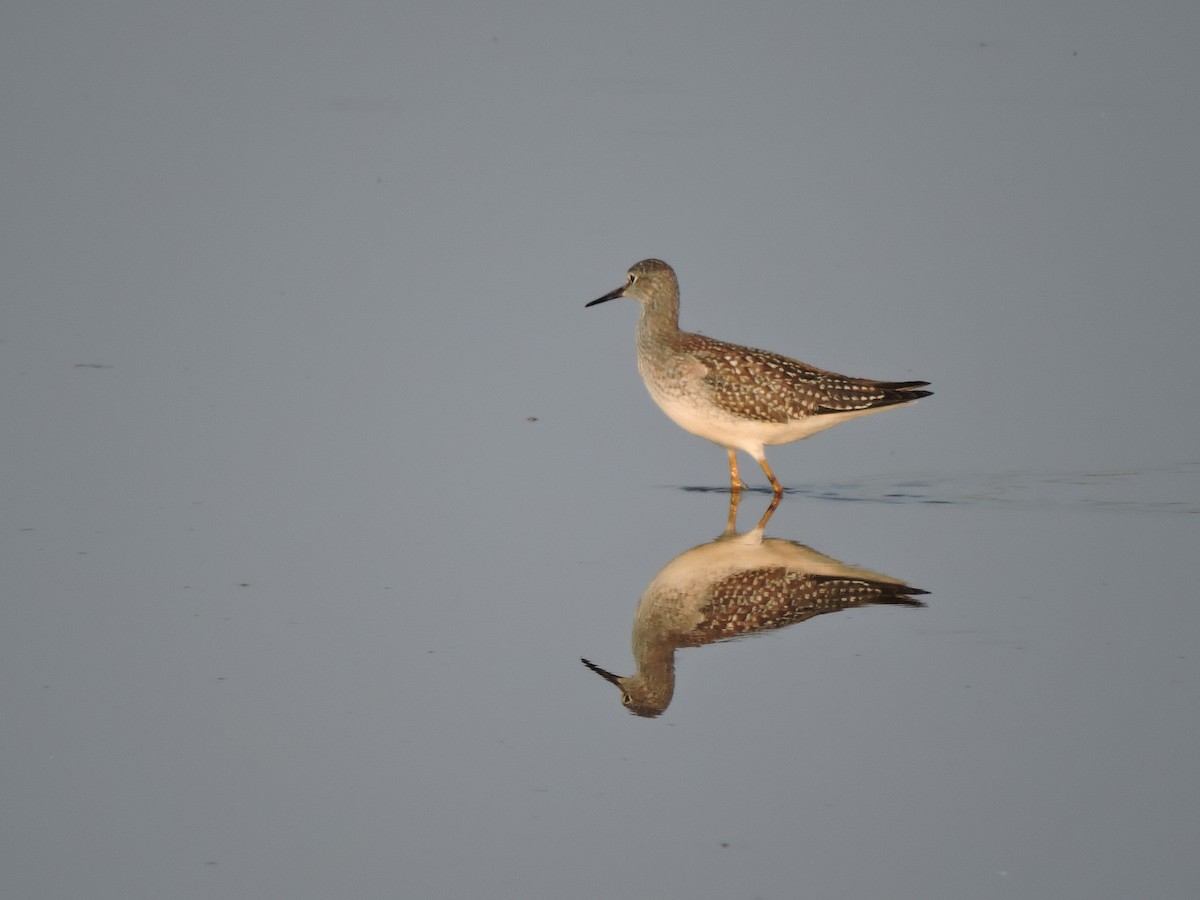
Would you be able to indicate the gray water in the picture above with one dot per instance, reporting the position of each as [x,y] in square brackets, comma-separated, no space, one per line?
[319,480]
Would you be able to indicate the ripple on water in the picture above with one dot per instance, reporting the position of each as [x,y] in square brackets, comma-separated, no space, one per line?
[1173,489]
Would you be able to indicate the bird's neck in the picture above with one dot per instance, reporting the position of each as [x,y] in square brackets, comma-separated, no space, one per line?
[659,317]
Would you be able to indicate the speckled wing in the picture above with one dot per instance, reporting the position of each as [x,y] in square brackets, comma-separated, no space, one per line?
[842,394]
[768,387]
[765,387]
[756,600]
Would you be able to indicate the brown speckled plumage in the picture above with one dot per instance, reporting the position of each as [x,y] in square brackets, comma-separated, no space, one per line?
[733,587]
[740,397]
[755,600]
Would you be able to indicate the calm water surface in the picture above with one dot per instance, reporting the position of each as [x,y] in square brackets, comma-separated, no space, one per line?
[335,709]
[319,481]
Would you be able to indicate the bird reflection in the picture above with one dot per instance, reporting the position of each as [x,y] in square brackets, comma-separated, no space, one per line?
[737,585]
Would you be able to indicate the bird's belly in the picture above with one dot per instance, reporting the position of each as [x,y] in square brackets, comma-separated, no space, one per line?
[716,424]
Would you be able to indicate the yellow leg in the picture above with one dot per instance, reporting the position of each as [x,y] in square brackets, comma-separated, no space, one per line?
[775,485]
[731,523]
[766,517]
[735,483]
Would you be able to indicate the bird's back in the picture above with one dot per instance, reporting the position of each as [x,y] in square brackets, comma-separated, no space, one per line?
[762,386]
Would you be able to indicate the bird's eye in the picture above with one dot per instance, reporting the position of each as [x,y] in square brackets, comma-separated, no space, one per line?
[632,278]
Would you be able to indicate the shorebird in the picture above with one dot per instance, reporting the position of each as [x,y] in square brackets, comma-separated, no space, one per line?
[739,397]
[737,585]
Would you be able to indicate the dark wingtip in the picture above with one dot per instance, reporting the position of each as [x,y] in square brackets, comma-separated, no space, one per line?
[902,391]
[901,595]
